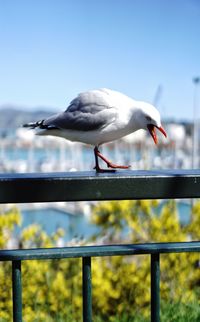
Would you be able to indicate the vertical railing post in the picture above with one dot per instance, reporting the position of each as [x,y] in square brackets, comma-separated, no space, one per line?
[17,291]
[87,290]
[155,287]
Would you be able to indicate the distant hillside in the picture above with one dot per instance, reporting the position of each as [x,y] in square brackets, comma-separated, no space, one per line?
[11,118]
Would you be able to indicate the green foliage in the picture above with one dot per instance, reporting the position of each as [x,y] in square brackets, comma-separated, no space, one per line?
[170,312]
[129,277]
[121,285]
[8,220]
[51,289]
[180,312]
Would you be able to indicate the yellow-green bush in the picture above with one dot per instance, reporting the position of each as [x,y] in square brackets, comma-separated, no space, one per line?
[130,276]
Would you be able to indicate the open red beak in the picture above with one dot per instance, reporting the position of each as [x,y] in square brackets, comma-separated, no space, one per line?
[152,131]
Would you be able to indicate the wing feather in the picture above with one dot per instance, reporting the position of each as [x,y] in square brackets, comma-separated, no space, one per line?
[89,111]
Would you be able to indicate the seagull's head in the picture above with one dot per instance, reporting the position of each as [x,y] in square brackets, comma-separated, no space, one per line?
[150,120]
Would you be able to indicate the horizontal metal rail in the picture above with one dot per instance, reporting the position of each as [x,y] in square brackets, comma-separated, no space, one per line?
[83,186]
[97,251]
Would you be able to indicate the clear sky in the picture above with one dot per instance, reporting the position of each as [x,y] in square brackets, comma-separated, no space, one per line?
[50,50]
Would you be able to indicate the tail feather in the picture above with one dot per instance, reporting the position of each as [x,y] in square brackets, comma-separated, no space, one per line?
[33,125]
[40,125]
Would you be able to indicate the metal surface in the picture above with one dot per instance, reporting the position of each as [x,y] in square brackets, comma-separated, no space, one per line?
[77,186]
[87,289]
[95,251]
[17,291]
[155,287]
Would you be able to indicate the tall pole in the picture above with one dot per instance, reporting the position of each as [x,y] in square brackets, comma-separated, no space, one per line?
[195,163]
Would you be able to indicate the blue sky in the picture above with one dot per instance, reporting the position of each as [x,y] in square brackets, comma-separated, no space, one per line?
[52,50]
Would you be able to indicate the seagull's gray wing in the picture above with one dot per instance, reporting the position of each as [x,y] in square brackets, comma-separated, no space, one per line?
[89,111]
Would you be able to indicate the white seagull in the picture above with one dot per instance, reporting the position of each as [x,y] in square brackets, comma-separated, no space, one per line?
[99,116]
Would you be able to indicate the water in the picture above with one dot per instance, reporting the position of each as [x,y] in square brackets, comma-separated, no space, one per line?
[66,156]
[184,210]
[50,219]
[63,157]
[79,226]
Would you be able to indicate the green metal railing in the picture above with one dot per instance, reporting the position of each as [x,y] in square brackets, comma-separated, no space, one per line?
[24,188]
[86,253]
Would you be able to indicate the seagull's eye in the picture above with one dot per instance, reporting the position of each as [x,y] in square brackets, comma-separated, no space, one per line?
[148,118]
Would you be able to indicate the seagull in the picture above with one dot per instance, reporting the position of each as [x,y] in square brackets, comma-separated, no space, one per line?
[99,116]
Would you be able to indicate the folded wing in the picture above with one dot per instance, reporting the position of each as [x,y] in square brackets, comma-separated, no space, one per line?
[89,111]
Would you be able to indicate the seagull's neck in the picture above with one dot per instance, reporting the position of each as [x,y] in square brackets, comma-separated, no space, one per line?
[136,120]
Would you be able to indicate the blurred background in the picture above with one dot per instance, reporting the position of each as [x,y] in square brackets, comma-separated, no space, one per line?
[53,50]
[49,52]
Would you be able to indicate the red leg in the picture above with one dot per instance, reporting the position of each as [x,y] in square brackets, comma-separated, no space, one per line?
[97,167]
[109,164]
